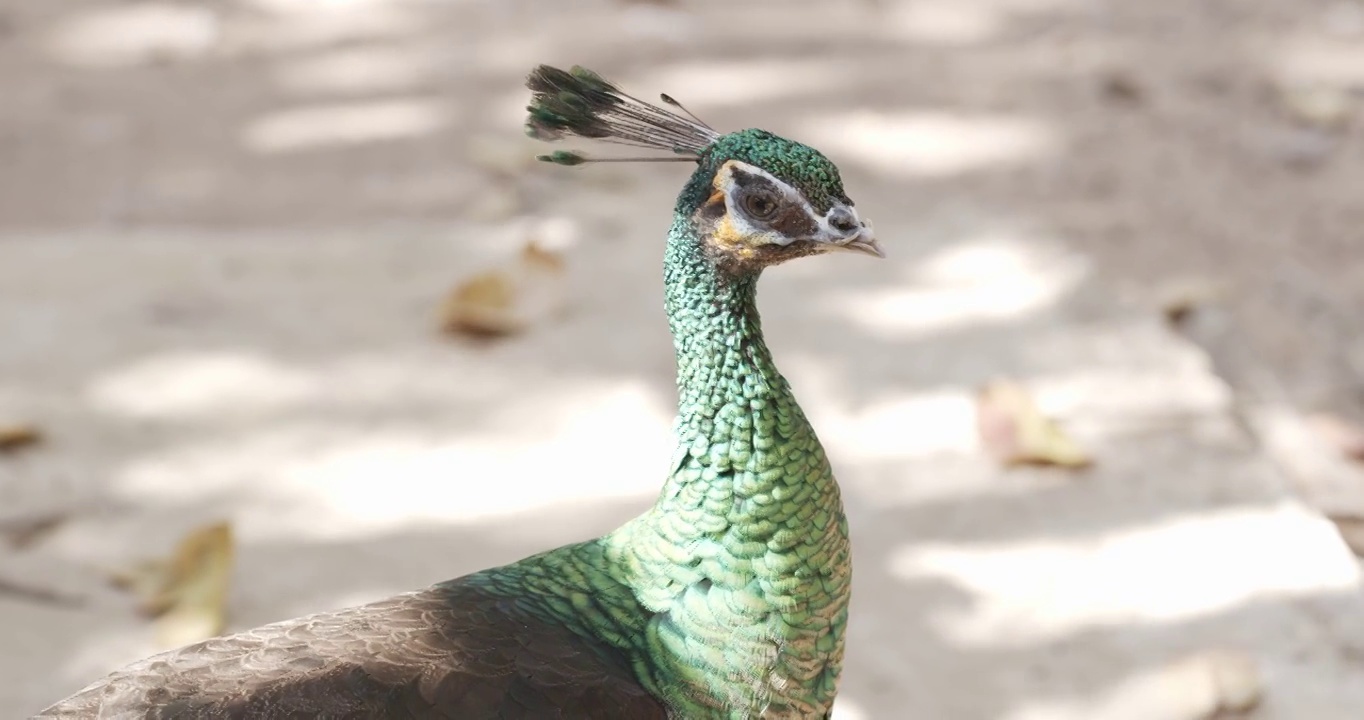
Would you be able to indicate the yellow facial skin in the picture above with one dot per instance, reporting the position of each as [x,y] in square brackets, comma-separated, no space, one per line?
[726,236]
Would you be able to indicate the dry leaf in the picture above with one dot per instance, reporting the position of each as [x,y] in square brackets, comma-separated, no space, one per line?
[1120,86]
[1180,299]
[143,580]
[195,590]
[507,299]
[1178,308]
[1015,432]
[187,593]
[18,436]
[1340,434]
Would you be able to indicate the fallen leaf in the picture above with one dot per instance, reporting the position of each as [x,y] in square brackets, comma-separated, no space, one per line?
[18,436]
[1178,308]
[1014,431]
[187,592]
[1340,434]
[143,580]
[1181,298]
[507,299]
[22,532]
[534,255]
[1121,87]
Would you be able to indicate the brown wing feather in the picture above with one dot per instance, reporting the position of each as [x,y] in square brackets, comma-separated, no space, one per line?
[452,651]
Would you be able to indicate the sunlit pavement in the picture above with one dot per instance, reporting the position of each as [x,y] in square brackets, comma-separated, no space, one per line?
[228,312]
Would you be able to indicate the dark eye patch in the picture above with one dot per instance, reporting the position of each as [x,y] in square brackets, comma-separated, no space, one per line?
[749,182]
[793,222]
[758,196]
[790,220]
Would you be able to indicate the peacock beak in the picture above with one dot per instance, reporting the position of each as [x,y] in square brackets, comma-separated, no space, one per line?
[843,230]
[865,242]
[868,246]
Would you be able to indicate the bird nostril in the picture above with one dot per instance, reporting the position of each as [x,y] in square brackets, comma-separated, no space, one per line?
[843,221]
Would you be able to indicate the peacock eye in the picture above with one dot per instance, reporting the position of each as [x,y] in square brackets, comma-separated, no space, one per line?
[760,206]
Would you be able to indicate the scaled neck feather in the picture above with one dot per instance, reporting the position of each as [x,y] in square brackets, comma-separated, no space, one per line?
[744,558]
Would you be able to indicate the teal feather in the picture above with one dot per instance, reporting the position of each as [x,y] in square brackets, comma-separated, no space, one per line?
[796,164]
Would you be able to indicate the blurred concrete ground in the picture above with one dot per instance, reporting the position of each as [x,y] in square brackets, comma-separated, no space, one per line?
[225,228]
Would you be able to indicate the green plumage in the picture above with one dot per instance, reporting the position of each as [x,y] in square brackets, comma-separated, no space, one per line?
[730,595]
[726,599]
[800,166]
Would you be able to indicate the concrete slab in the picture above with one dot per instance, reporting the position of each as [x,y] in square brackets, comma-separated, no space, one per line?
[207,305]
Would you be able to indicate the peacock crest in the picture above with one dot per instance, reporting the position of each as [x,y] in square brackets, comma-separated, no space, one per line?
[582,103]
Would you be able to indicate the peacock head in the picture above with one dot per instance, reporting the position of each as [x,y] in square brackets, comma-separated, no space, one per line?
[755,199]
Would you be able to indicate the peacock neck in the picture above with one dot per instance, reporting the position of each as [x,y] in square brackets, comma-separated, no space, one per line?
[736,416]
[725,372]
[744,557]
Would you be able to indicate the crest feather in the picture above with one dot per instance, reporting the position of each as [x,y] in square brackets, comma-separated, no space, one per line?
[582,103]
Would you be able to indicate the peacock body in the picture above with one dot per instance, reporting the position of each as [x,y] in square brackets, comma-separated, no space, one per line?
[728,598]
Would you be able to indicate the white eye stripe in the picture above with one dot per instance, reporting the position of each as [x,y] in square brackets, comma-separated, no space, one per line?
[788,194]
[839,227]
[751,182]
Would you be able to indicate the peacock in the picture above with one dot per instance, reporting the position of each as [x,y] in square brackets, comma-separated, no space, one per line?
[728,598]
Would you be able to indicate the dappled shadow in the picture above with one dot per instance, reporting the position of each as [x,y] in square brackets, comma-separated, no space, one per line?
[227,225]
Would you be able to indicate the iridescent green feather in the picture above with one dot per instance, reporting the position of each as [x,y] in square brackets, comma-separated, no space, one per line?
[796,164]
[730,595]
